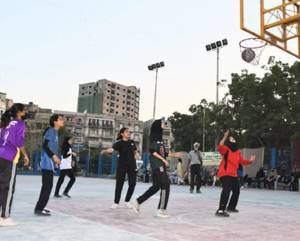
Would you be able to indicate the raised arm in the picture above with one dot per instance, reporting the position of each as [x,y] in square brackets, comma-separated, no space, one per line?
[222,142]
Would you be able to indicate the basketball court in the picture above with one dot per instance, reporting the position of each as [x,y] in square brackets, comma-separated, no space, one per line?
[264,215]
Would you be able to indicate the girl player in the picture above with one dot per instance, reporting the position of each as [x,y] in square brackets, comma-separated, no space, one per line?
[159,164]
[126,165]
[231,159]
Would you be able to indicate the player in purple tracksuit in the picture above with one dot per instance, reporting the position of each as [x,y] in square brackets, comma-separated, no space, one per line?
[12,133]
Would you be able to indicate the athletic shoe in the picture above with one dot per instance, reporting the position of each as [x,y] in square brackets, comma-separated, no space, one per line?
[198,191]
[7,222]
[42,213]
[191,191]
[161,214]
[47,211]
[230,210]
[136,206]
[114,206]
[222,213]
[57,196]
[67,195]
[128,205]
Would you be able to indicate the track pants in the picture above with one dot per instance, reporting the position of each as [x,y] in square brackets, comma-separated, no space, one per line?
[47,183]
[63,173]
[160,181]
[120,179]
[7,186]
[229,184]
[196,172]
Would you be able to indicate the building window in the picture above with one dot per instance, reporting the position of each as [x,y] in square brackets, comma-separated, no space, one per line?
[107,97]
[117,100]
[113,92]
[117,106]
[113,98]
[117,112]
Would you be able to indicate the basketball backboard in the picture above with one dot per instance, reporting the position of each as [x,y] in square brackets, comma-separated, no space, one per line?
[275,21]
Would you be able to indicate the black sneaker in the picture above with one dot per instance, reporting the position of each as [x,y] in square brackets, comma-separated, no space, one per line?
[41,213]
[191,190]
[231,210]
[198,191]
[57,196]
[67,195]
[222,213]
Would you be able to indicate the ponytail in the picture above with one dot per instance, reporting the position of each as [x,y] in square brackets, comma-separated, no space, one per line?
[5,118]
[10,114]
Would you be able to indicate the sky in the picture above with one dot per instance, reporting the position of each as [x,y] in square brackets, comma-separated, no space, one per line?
[49,47]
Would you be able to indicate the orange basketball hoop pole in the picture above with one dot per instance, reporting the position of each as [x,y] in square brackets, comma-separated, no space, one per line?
[282,26]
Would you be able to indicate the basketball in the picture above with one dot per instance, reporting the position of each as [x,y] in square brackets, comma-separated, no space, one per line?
[248,55]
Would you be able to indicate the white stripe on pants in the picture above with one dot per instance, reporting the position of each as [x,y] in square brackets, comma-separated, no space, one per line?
[10,191]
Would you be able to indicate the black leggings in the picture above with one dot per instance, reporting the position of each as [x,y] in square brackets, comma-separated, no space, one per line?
[47,184]
[160,181]
[196,172]
[120,179]
[229,184]
[63,173]
[7,186]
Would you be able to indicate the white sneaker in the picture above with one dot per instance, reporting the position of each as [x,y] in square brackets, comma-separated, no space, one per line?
[161,214]
[136,206]
[7,222]
[128,205]
[114,206]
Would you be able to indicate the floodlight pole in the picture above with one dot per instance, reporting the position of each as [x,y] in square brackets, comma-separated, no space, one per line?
[218,74]
[155,93]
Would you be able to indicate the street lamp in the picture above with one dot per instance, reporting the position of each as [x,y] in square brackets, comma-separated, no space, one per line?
[155,67]
[216,46]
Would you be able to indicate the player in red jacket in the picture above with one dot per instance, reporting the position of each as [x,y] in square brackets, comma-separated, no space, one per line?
[231,159]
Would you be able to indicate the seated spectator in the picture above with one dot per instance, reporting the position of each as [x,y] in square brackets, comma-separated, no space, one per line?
[260,177]
[271,179]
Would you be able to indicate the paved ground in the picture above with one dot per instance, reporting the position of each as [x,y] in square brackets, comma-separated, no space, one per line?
[265,215]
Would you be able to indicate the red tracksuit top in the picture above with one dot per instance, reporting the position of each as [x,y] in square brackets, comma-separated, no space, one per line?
[233,161]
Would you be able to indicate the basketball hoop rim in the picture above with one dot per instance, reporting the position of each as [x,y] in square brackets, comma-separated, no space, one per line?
[264,43]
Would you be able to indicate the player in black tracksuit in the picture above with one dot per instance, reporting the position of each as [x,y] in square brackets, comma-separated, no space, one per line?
[159,164]
[126,165]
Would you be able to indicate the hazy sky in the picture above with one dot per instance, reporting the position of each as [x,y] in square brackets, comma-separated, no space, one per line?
[48,47]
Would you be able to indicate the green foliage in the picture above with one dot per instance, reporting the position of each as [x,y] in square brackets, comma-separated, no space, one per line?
[260,111]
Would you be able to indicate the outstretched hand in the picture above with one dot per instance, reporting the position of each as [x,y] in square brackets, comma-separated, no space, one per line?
[252,158]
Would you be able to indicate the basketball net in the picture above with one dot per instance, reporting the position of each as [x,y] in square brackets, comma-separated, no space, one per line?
[251,50]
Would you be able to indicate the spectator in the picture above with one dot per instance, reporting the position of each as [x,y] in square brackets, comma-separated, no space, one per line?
[271,179]
[260,177]
[180,172]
